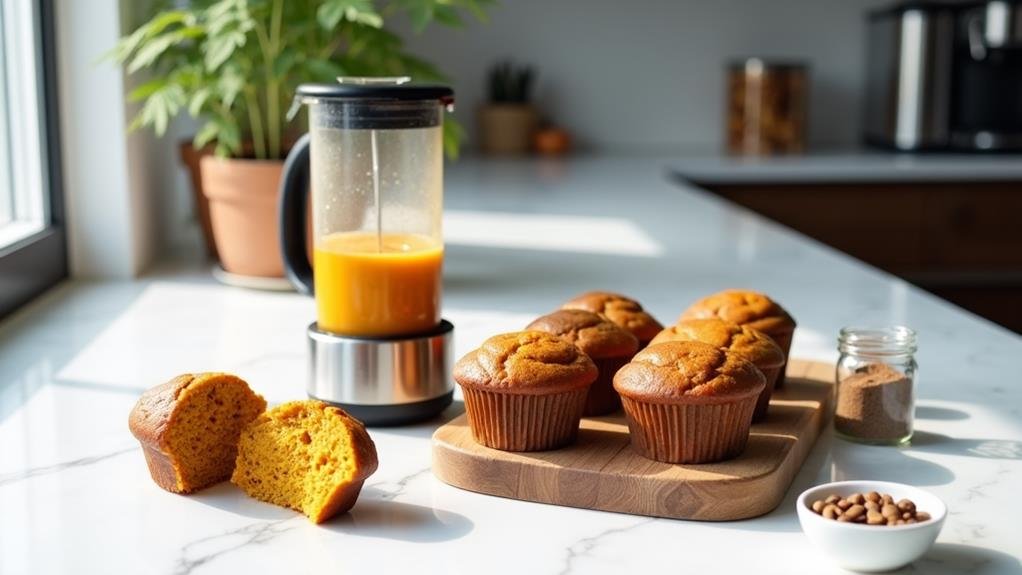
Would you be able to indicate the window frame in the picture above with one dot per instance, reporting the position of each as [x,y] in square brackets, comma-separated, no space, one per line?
[35,263]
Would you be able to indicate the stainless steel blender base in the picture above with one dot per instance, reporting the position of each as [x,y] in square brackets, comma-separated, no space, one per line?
[383,381]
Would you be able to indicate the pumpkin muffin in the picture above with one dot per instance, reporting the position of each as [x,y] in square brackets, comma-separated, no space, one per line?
[525,391]
[622,310]
[749,308]
[189,428]
[688,401]
[750,344]
[307,455]
[607,344]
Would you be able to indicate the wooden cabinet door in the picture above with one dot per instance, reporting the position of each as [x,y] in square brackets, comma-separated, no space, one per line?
[974,227]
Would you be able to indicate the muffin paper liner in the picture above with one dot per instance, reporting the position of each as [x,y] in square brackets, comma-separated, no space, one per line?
[783,341]
[689,433]
[763,402]
[520,422]
[602,398]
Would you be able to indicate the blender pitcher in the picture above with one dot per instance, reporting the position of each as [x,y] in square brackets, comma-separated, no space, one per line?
[374,150]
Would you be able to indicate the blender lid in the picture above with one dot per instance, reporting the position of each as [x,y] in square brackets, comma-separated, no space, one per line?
[377,89]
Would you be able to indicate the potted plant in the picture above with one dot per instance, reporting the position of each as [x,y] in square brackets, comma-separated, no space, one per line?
[235,64]
[508,120]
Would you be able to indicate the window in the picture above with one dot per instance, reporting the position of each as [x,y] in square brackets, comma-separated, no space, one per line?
[32,250]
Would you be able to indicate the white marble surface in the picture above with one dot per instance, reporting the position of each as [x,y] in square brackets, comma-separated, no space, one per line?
[861,166]
[75,495]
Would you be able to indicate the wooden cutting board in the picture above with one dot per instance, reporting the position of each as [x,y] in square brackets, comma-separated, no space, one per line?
[601,471]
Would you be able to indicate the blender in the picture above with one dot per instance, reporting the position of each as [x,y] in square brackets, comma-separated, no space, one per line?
[373,164]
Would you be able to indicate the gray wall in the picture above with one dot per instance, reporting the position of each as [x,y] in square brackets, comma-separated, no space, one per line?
[648,75]
[624,76]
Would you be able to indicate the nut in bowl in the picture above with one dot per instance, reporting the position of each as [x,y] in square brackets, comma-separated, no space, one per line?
[878,546]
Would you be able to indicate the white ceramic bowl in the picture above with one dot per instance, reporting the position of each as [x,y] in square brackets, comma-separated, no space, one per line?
[860,547]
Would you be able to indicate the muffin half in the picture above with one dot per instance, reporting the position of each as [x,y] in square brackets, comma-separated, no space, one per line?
[189,428]
[307,455]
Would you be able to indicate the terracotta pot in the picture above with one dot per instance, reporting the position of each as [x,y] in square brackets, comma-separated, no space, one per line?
[507,129]
[243,211]
[190,158]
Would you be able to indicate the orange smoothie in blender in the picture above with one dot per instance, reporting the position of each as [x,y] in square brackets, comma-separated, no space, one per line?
[369,285]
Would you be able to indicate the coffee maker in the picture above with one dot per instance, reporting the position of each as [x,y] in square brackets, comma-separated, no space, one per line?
[945,76]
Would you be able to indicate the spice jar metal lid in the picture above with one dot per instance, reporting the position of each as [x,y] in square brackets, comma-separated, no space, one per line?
[878,341]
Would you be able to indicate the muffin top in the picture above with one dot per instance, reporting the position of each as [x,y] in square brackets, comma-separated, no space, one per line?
[688,370]
[748,343]
[743,307]
[622,310]
[594,334]
[526,362]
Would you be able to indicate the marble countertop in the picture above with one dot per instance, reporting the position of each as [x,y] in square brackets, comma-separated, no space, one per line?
[844,167]
[76,497]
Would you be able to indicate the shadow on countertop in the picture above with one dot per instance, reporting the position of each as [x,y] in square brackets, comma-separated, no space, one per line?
[954,558]
[373,515]
[388,519]
[940,413]
[229,497]
[927,442]
[852,461]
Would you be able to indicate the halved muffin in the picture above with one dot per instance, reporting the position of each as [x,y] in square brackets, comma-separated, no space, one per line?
[307,455]
[189,428]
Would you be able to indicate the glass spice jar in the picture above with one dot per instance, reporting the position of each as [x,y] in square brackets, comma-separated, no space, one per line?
[876,374]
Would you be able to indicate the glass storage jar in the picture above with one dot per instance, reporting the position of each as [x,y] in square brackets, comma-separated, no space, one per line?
[767,107]
[875,378]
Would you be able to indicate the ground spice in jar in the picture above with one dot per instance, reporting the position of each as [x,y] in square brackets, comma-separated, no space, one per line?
[875,403]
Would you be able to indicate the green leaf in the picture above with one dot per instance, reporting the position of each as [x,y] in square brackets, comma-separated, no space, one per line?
[164,20]
[206,134]
[230,84]
[453,135]
[150,51]
[229,139]
[448,16]
[127,45]
[321,70]
[420,13]
[330,13]
[198,100]
[220,13]
[160,107]
[147,89]
[283,63]
[476,7]
[220,47]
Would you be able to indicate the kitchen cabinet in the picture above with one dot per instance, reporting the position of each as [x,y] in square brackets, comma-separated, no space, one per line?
[959,240]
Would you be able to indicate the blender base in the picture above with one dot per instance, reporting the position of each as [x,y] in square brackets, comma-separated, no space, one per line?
[383,381]
[393,415]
